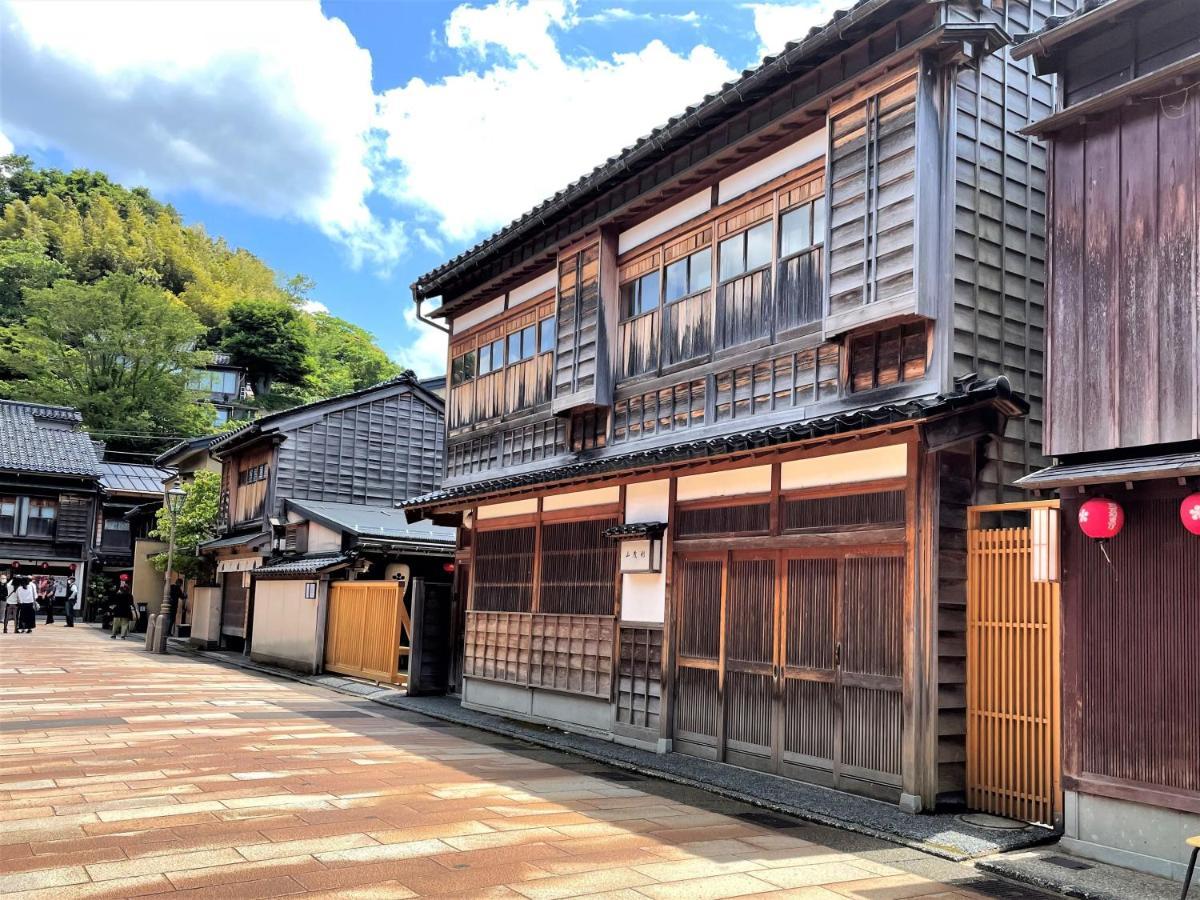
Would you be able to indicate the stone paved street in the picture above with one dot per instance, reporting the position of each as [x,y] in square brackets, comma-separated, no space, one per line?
[124,774]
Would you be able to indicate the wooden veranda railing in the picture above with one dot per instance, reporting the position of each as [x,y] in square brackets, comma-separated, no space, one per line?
[368,632]
[1013,665]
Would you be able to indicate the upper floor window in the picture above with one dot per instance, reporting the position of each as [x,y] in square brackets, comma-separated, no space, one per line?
[462,369]
[640,295]
[522,344]
[115,534]
[43,512]
[802,228]
[253,474]
[214,382]
[491,357]
[28,516]
[746,251]
[689,275]
[546,335]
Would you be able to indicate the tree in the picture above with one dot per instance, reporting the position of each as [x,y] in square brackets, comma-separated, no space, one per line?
[270,340]
[345,358]
[118,350]
[195,522]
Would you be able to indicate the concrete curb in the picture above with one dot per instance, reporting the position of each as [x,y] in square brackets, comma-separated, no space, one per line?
[630,759]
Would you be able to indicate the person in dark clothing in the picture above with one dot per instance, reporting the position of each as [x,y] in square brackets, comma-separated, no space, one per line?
[27,602]
[46,594]
[69,600]
[175,598]
[122,610]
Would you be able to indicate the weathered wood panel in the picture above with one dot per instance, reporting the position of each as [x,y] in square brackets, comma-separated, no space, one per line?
[1124,291]
[639,676]
[578,567]
[1131,723]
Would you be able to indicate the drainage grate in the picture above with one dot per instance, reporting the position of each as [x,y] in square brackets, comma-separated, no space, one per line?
[767,820]
[1002,890]
[1066,862]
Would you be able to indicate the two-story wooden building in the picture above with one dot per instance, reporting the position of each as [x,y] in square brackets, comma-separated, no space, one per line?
[716,408]
[1123,418]
[49,491]
[308,496]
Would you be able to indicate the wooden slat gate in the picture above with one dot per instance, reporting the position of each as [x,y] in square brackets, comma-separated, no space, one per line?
[1013,666]
[367,633]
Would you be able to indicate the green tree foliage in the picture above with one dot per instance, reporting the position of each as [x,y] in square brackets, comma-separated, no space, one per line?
[195,522]
[118,350]
[270,341]
[345,358]
[67,232]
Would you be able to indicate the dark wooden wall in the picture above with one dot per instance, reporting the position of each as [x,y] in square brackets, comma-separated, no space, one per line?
[1131,713]
[376,452]
[998,234]
[1124,301]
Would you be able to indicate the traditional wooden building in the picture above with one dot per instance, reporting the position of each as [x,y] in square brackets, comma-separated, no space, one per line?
[49,491]
[716,409]
[1123,418]
[308,498]
[132,492]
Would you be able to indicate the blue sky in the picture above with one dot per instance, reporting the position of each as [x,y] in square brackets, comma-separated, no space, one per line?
[363,142]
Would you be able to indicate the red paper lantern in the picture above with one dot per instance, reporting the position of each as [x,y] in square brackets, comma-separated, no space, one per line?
[14,565]
[1101,519]
[71,568]
[447,567]
[1189,513]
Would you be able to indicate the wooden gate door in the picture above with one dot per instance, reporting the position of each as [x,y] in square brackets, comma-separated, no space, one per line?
[791,663]
[367,630]
[1013,664]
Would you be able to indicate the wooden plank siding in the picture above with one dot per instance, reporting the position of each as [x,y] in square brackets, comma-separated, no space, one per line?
[1124,310]
[998,181]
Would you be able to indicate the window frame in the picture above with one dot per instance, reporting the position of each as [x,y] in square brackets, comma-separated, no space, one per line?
[691,290]
[743,237]
[638,283]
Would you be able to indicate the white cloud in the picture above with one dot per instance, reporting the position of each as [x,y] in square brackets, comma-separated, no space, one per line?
[6,146]
[776,24]
[265,105]
[425,353]
[478,148]
[314,306]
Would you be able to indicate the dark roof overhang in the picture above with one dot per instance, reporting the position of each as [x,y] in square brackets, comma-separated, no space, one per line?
[995,394]
[1184,464]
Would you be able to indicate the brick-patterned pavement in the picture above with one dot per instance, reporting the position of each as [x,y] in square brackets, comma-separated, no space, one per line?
[124,774]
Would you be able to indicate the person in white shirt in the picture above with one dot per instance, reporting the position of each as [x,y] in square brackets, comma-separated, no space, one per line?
[27,601]
[8,593]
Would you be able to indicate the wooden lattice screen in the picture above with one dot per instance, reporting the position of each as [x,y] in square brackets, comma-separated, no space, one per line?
[566,653]
[1013,674]
[639,676]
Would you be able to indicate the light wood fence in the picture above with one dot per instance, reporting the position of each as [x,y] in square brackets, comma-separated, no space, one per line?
[1013,671]
[368,633]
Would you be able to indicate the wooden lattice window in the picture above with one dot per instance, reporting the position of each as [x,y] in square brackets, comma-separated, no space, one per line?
[888,356]
[579,567]
[503,569]
[876,508]
[728,518]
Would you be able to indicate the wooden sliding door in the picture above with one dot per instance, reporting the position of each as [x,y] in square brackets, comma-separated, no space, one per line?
[790,661]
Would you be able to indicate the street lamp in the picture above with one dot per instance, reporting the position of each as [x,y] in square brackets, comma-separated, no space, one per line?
[172,502]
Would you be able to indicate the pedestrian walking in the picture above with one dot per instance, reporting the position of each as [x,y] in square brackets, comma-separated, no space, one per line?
[123,611]
[46,595]
[8,594]
[26,595]
[176,597]
[70,598]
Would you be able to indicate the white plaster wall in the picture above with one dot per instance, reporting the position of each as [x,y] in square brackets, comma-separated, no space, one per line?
[285,623]
[206,616]
[531,289]
[322,539]
[727,483]
[477,315]
[512,508]
[579,499]
[1123,833]
[793,156]
[644,596]
[845,468]
[695,205]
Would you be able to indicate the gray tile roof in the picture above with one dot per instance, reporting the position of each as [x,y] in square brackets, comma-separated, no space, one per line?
[133,478]
[301,566]
[1125,468]
[372,522]
[45,439]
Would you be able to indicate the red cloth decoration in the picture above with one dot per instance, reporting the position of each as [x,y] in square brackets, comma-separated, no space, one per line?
[1189,513]
[1101,519]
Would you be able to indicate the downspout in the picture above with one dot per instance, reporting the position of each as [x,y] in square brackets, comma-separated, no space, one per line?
[421,317]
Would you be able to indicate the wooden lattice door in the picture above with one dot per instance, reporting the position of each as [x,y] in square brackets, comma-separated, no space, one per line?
[367,631]
[1014,678]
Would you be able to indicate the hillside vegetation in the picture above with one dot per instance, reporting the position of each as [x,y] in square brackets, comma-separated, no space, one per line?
[108,300]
